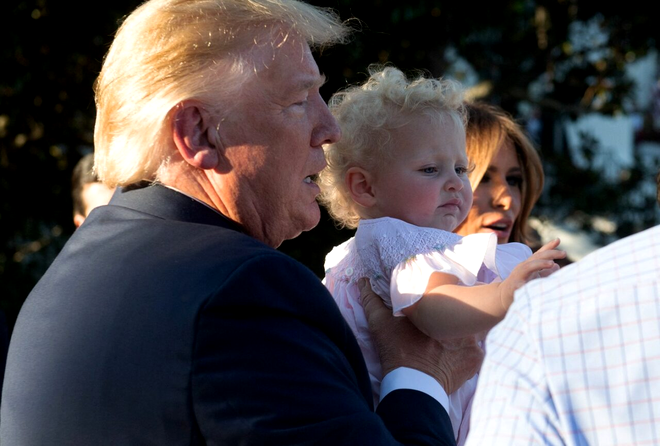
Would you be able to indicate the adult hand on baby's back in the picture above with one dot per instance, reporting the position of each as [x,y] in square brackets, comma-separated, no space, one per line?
[401,344]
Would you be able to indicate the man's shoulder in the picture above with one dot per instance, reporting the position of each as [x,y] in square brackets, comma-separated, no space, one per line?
[229,246]
[631,258]
[631,262]
[647,240]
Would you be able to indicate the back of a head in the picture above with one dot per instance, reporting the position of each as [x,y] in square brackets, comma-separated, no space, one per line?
[366,114]
[169,51]
[83,173]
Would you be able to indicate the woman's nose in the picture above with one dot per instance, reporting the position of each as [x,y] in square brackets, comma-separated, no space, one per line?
[502,198]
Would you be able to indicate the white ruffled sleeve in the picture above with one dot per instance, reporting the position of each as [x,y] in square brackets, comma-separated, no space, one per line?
[466,260]
[463,259]
[399,258]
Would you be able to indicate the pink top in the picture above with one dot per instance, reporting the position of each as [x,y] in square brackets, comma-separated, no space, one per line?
[399,258]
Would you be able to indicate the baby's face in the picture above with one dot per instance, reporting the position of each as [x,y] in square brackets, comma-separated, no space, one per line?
[425,183]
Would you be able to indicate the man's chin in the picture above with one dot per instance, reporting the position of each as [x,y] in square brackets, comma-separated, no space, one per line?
[306,223]
[313,218]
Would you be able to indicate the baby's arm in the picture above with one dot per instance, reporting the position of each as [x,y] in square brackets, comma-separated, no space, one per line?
[448,310]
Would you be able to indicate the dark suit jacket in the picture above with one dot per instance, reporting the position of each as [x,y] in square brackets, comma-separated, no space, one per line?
[160,323]
[4,345]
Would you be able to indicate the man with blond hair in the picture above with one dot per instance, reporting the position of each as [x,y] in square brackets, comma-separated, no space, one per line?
[169,318]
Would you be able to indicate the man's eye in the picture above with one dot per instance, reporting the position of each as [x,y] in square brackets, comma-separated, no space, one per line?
[302,102]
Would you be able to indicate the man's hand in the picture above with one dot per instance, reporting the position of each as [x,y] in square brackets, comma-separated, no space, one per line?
[401,344]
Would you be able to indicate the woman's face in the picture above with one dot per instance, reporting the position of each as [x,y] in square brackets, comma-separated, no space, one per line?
[496,201]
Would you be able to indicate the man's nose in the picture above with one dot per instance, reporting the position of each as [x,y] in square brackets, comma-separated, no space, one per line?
[327,130]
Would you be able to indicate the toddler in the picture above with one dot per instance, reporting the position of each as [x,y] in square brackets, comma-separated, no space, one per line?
[399,174]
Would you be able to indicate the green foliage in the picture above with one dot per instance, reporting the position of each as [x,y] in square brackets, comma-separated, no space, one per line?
[50,58]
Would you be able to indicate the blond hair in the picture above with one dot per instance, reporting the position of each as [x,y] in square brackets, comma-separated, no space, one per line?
[487,128]
[169,51]
[367,114]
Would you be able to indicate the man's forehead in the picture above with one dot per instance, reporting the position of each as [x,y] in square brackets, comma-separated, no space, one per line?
[290,64]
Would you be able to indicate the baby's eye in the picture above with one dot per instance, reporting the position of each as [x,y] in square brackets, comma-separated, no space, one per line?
[461,170]
[428,170]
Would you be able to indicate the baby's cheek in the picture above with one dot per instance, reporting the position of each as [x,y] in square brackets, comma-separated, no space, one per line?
[467,199]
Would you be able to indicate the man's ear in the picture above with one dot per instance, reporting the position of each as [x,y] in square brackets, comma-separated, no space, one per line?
[358,182]
[195,135]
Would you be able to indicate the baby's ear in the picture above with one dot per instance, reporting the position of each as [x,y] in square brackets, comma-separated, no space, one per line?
[358,182]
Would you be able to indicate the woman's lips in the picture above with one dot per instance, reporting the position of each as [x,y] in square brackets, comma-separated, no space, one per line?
[501,228]
[498,227]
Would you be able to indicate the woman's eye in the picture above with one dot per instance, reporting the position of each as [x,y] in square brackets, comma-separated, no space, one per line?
[515,181]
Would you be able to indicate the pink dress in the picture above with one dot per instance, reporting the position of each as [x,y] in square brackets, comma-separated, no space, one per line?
[399,258]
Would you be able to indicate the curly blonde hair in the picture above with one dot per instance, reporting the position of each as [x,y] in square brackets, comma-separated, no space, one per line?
[367,114]
[169,51]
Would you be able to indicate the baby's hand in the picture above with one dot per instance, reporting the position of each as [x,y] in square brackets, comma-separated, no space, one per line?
[540,264]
